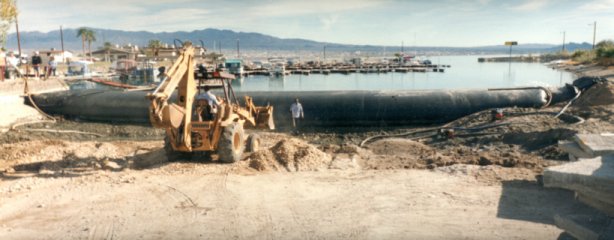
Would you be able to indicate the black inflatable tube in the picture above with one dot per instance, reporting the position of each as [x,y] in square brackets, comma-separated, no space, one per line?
[328,108]
[386,108]
[324,108]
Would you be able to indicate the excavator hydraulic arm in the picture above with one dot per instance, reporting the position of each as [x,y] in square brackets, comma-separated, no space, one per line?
[175,116]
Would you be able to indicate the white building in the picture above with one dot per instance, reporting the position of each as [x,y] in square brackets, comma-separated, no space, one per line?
[57,54]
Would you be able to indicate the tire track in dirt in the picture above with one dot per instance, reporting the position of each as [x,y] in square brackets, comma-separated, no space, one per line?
[227,200]
[176,200]
[104,230]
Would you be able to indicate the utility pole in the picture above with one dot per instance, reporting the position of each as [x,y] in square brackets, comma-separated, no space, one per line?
[18,37]
[594,33]
[62,41]
[238,52]
[402,47]
[324,51]
[563,41]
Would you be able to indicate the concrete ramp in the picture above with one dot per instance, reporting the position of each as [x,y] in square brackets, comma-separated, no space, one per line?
[592,179]
[596,144]
[586,227]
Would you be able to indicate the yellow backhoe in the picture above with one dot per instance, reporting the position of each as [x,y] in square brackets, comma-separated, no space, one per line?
[191,124]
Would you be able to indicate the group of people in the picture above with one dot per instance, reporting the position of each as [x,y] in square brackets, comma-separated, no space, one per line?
[9,65]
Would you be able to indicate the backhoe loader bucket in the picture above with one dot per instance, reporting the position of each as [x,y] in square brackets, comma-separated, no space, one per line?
[264,117]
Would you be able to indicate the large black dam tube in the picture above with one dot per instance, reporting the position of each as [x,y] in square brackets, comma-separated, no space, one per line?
[322,108]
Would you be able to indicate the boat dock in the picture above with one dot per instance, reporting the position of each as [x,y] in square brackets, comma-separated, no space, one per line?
[351,68]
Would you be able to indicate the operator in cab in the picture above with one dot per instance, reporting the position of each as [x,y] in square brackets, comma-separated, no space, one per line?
[207,104]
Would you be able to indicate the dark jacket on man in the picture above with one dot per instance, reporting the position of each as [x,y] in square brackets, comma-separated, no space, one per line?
[36,60]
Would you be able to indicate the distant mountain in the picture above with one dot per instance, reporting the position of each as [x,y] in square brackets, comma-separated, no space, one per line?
[573,47]
[227,39]
[250,41]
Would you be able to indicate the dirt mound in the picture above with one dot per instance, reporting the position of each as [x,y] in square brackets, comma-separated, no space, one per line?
[398,153]
[596,102]
[290,155]
[400,146]
[598,95]
[395,153]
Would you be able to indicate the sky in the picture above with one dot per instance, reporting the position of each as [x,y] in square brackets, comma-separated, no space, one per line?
[456,23]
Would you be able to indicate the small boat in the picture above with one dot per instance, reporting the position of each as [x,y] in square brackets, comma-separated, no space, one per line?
[279,69]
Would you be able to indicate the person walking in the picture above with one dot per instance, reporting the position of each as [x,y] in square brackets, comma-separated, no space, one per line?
[296,109]
[36,63]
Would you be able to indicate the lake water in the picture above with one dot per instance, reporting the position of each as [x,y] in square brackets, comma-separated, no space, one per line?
[465,73]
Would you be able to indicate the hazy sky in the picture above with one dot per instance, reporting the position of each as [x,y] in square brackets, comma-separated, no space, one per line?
[378,22]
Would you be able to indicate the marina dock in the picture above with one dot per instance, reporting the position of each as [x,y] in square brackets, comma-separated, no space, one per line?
[351,68]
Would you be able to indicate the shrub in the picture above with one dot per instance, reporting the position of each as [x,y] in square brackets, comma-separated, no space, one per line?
[583,56]
[605,44]
[605,52]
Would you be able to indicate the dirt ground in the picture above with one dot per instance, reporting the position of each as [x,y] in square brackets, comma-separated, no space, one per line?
[125,190]
[70,180]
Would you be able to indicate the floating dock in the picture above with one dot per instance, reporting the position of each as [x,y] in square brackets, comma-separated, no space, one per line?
[352,68]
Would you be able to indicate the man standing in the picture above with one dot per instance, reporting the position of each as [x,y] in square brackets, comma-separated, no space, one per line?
[297,113]
[53,65]
[36,63]
[12,63]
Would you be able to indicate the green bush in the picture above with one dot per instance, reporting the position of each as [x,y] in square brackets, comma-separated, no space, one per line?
[605,49]
[579,54]
[605,52]
[605,44]
[583,56]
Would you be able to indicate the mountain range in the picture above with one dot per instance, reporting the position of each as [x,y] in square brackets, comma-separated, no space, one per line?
[249,41]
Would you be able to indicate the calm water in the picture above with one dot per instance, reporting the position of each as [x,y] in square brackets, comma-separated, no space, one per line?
[465,73]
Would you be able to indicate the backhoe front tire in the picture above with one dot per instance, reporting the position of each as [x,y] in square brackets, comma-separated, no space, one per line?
[232,144]
[171,154]
[253,143]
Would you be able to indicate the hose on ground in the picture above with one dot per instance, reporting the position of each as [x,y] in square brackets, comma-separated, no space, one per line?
[578,119]
[26,91]
[444,127]
[570,102]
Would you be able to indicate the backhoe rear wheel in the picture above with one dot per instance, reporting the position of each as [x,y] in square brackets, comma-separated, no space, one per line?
[171,154]
[232,144]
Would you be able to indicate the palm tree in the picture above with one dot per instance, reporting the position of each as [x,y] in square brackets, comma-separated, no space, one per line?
[155,44]
[107,46]
[90,37]
[82,32]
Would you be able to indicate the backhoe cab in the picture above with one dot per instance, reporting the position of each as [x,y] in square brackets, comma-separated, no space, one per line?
[191,125]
